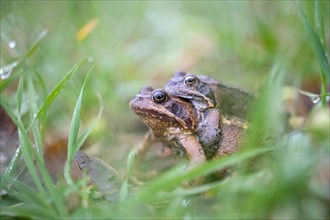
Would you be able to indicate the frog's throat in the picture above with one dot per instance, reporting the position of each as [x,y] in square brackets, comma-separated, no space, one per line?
[158,115]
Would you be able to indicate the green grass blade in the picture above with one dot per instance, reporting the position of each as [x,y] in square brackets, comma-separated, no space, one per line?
[130,162]
[19,95]
[56,91]
[28,153]
[33,109]
[123,192]
[34,46]
[49,185]
[51,189]
[6,82]
[317,46]
[86,133]
[178,174]
[24,192]
[8,69]
[29,211]
[43,118]
[319,22]
[26,146]
[14,162]
[73,133]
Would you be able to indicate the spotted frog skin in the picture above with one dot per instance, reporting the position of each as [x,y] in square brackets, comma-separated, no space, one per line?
[171,120]
[214,102]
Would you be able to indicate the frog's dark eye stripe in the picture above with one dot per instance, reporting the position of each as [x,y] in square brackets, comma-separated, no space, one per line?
[190,81]
[159,96]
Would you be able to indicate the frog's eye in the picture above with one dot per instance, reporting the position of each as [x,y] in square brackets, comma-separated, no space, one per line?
[159,96]
[190,81]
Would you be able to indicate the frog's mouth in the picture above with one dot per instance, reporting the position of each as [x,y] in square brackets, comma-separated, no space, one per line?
[164,116]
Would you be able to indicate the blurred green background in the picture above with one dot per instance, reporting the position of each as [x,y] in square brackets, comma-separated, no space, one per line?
[139,43]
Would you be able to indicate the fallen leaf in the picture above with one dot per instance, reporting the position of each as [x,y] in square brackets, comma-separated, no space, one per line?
[8,139]
[105,177]
[86,29]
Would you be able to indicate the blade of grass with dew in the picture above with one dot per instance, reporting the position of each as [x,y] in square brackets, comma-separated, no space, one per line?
[48,182]
[56,91]
[318,50]
[73,133]
[32,110]
[43,119]
[26,145]
[8,81]
[28,155]
[19,95]
[10,67]
[14,161]
[171,178]
[43,109]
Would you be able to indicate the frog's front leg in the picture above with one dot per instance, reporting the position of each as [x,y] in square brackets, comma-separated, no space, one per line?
[195,154]
[209,131]
[148,140]
[194,150]
[141,149]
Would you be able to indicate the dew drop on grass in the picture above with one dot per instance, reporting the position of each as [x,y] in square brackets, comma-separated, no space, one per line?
[12,44]
[7,70]
[186,203]
[90,59]
[315,99]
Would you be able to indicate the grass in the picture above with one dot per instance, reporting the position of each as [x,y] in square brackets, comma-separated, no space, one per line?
[49,92]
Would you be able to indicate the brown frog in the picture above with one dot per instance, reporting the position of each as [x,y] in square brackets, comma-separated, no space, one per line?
[205,93]
[215,102]
[174,122]
[171,120]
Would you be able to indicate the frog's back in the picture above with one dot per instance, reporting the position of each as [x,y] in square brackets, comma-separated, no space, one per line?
[231,100]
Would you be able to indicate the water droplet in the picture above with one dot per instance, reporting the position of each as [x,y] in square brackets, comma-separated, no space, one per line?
[315,99]
[12,44]
[186,202]
[6,70]
[90,59]
[4,74]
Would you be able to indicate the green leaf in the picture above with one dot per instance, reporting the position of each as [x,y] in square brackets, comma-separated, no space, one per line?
[179,174]
[73,143]
[316,42]
[8,69]
[57,90]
